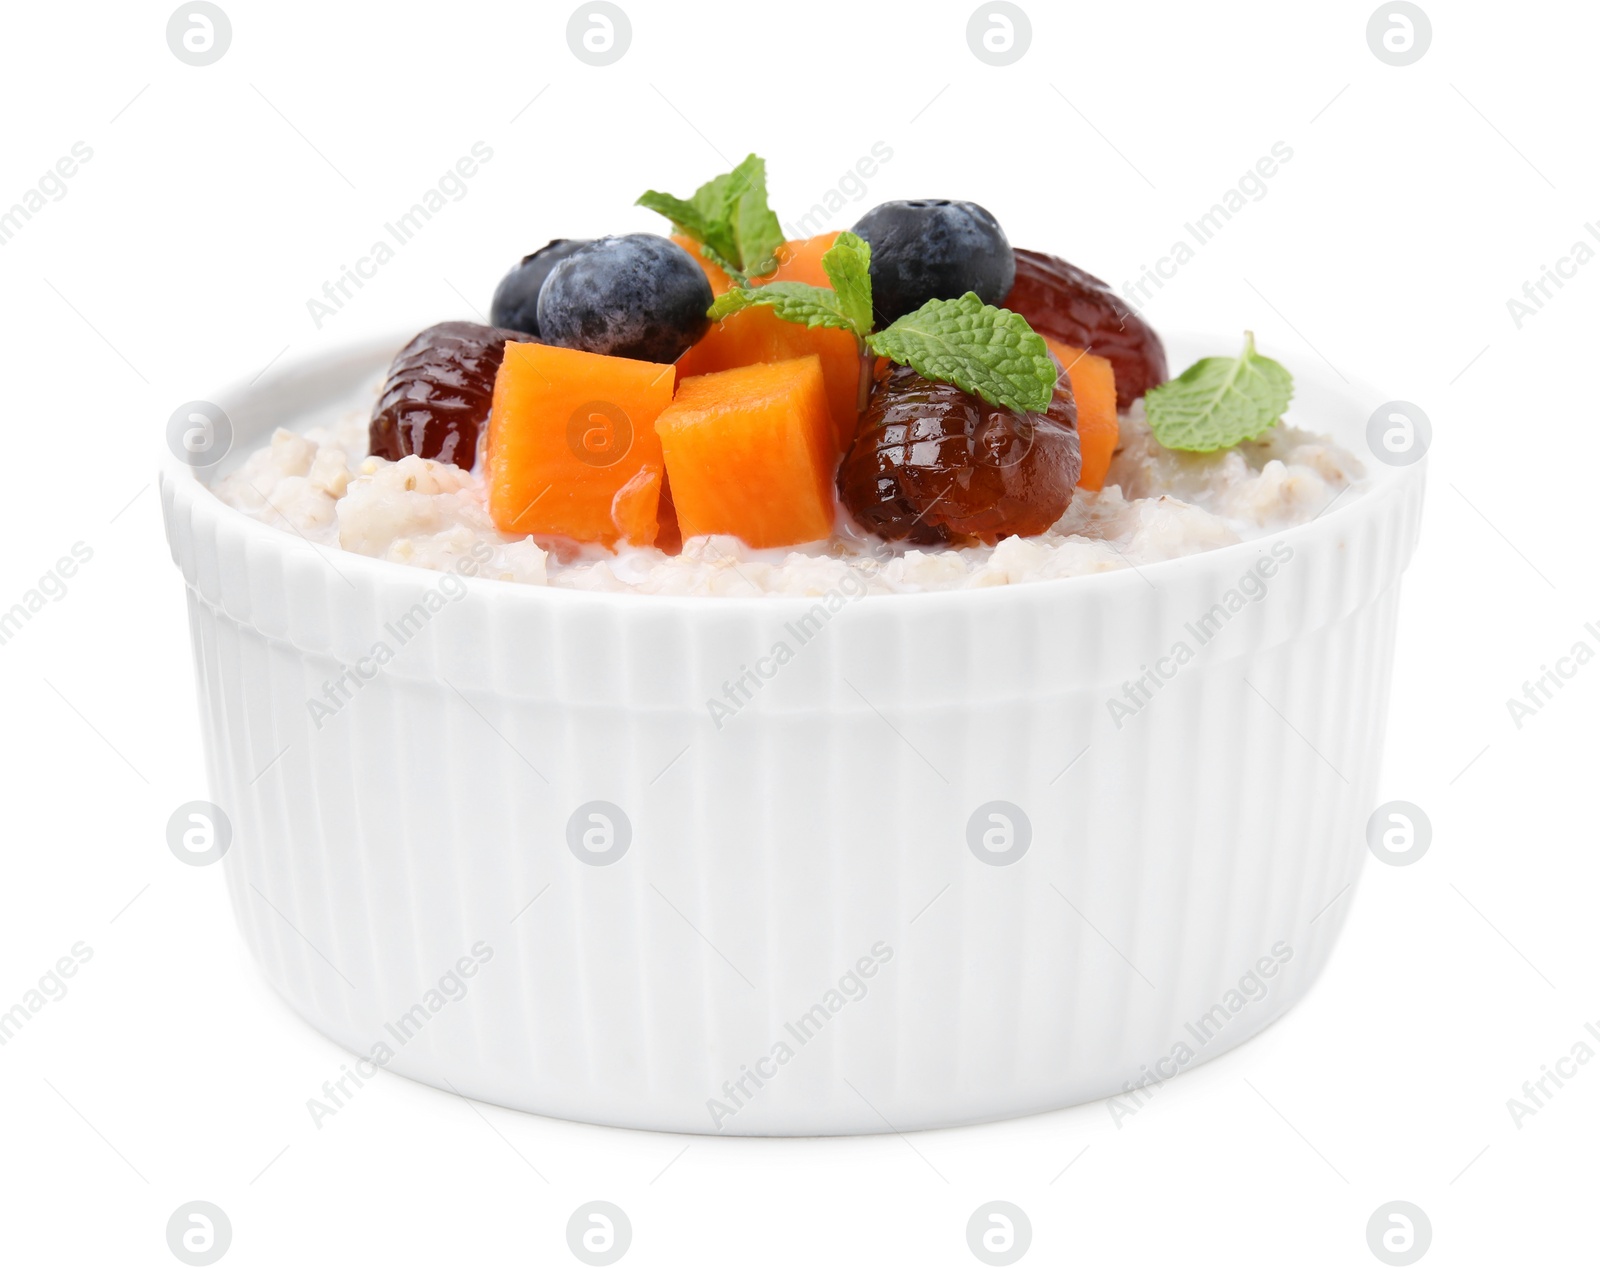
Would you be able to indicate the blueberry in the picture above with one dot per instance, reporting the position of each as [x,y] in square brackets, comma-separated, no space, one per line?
[932,248]
[638,295]
[516,300]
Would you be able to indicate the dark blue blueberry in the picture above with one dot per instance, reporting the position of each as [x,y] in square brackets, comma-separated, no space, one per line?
[932,248]
[638,295]
[516,300]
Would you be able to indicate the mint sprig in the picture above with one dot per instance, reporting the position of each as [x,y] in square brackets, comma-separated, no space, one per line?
[797,302]
[990,352]
[1219,401]
[847,305]
[848,265]
[729,217]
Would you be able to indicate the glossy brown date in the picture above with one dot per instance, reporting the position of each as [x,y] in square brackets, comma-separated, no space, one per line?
[1062,301]
[933,464]
[436,398]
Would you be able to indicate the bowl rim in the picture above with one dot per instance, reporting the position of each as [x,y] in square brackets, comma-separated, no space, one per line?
[1380,485]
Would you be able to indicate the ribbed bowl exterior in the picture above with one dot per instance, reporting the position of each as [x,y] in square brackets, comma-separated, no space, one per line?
[800,936]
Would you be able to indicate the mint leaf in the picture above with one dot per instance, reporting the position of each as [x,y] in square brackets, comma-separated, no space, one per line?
[755,225]
[846,263]
[796,302]
[990,352]
[987,351]
[684,216]
[709,228]
[729,302]
[1219,401]
[847,306]
[729,217]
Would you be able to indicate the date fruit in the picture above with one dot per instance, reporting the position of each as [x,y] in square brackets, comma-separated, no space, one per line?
[1062,301]
[436,398]
[933,464]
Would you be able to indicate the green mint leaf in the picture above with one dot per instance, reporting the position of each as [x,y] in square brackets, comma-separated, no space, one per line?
[717,202]
[729,217]
[685,217]
[1219,401]
[990,352]
[847,306]
[796,302]
[711,232]
[755,225]
[723,262]
[846,263]
[729,302]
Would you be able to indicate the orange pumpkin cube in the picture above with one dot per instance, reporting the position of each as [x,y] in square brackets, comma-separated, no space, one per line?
[800,260]
[568,432]
[751,452]
[1094,387]
[636,508]
[752,335]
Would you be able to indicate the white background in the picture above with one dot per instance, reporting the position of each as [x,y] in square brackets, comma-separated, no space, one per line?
[219,199]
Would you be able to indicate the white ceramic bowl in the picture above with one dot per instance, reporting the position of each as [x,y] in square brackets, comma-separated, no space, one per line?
[800,936]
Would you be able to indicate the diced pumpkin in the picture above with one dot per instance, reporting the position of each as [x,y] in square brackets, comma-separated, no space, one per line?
[757,334]
[719,280]
[568,432]
[635,509]
[1094,386]
[750,451]
[800,260]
